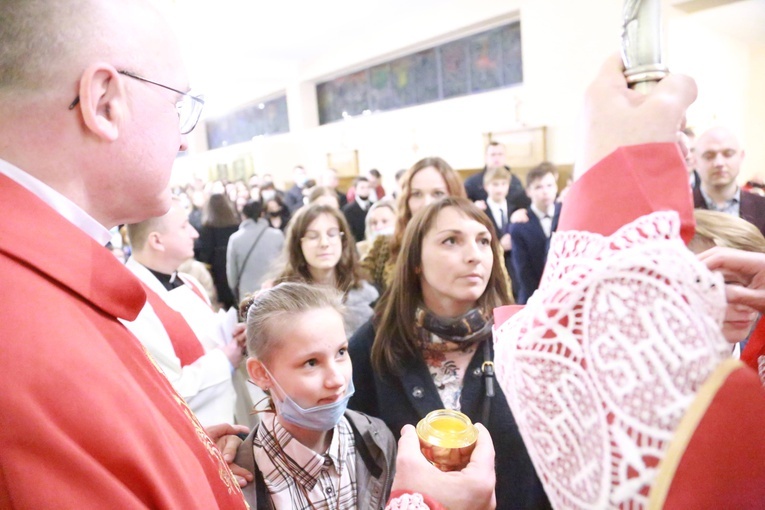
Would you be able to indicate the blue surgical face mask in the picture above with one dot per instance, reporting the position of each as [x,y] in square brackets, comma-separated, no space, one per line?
[320,418]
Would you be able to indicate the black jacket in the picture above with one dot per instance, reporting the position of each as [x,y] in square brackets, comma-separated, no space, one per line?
[410,396]
[751,208]
[530,246]
[356,217]
[516,196]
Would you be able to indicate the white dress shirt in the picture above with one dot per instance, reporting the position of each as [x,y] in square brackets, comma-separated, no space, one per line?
[545,217]
[499,212]
[61,204]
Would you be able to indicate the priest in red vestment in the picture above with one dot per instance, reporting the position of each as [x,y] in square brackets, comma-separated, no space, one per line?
[94,104]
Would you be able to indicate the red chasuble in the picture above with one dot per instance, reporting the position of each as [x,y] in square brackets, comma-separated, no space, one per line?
[86,420]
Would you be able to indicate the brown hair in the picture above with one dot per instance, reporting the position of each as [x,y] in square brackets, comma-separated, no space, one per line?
[540,171]
[267,311]
[396,338]
[493,143]
[348,273]
[219,211]
[454,187]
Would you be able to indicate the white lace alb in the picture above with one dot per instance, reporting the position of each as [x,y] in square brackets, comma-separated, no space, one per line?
[607,355]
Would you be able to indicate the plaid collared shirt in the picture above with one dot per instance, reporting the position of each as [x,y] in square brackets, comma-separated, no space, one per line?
[299,478]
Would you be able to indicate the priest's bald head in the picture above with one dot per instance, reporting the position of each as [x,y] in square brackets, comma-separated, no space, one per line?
[88,102]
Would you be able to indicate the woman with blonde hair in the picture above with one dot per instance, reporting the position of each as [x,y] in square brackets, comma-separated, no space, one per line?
[430,179]
[319,248]
[298,355]
[380,221]
[430,345]
[714,228]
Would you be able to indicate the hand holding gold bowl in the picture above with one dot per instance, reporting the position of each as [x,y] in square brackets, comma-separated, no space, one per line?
[447,439]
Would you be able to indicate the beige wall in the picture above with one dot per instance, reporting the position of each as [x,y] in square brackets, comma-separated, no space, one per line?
[731,79]
[564,43]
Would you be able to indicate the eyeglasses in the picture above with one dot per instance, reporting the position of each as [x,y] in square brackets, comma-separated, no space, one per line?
[313,237]
[189,108]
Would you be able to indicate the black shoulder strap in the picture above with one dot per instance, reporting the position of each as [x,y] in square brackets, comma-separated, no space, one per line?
[361,446]
[263,500]
[488,375]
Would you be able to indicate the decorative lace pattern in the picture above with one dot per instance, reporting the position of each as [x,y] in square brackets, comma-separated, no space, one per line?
[407,502]
[604,360]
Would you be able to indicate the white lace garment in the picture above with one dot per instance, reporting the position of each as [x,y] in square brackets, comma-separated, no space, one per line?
[604,360]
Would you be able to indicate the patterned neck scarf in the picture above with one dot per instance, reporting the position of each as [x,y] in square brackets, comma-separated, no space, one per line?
[452,333]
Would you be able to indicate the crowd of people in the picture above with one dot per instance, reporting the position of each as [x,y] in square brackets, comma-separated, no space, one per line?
[121,380]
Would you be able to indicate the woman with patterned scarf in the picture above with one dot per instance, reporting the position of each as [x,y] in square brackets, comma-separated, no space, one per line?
[429,346]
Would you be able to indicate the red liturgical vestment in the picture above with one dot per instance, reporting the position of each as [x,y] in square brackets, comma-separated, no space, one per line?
[86,419]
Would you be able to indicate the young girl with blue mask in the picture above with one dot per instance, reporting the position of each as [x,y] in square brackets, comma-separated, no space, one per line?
[308,451]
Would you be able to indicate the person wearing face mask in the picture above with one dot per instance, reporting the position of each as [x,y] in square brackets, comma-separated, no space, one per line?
[309,451]
[380,221]
[275,212]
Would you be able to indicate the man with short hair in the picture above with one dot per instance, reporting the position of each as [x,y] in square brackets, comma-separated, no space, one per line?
[376,190]
[94,107]
[329,179]
[689,139]
[496,157]
[356,212]
[718,157]
[293,198]
[188,346]
[531,239]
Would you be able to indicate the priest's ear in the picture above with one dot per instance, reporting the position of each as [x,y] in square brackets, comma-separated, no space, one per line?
[102,100]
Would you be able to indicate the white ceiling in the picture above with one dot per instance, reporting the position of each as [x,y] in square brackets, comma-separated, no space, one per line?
[262,44]
[740,19]
[241,50]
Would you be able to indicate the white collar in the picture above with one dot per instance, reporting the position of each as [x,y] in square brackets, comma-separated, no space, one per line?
[496,205]
[541,214]
[61,204]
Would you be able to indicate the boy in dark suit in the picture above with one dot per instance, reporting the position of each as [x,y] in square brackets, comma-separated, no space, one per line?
[496,184]
[531,240]
[356,211]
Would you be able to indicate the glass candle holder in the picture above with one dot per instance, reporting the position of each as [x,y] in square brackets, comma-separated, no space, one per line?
[447,439]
